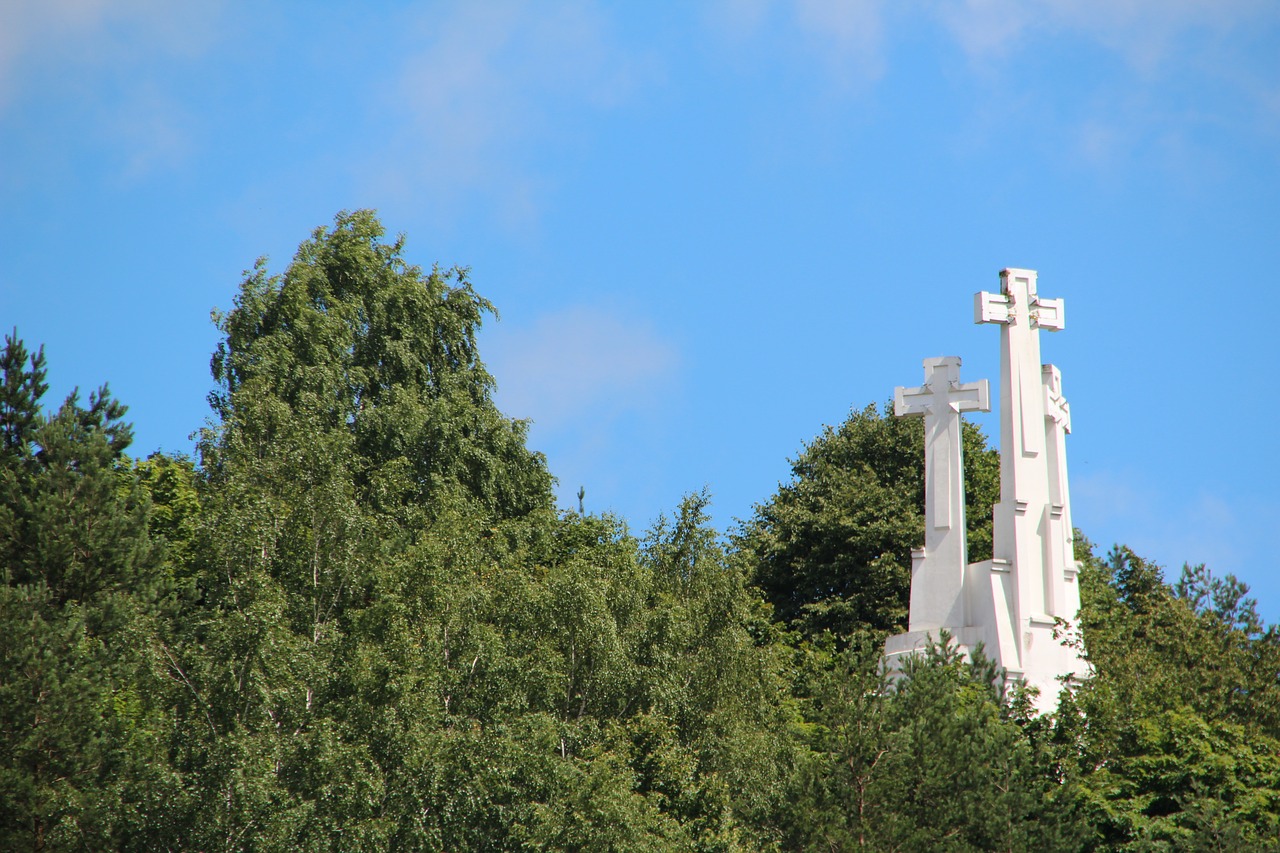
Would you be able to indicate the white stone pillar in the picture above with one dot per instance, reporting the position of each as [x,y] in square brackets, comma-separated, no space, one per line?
[938,570]
[1021,519]
[1060,547]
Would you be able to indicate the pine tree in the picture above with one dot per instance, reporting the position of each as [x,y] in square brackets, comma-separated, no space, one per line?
[79,614]
[1175,735]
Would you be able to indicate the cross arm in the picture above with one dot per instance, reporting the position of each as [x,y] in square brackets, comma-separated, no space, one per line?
[909,402]
[992,307]
[1048,314]
[970,397]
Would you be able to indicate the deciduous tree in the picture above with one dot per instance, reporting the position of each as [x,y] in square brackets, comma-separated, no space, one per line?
[832,548]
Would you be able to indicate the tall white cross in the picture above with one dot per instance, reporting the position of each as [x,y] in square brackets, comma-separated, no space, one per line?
[1061,567]
[937,578]
[1021,519]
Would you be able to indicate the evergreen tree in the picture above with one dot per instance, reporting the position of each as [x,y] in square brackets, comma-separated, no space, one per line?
[1174,735]
[941,759]
[80,760]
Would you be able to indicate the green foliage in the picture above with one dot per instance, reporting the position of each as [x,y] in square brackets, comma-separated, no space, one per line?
[76,518]
[393,641]
[938,758]
[174,518]
[1175,737]
[358,480]
[82,594]
[1227,599]
[961,773]
[832,548]
[358,623]
[24,386]
[845,728]
[356,347]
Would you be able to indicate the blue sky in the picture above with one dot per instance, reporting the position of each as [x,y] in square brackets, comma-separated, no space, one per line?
[710,228]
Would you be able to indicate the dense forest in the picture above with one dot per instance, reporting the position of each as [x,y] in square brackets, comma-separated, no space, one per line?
[356,620]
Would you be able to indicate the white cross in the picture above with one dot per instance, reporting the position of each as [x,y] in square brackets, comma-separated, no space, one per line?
[1060,556]
[998,308]
[941,400]
[1025,515]
[938,570]
[1056,407]
[1023,313]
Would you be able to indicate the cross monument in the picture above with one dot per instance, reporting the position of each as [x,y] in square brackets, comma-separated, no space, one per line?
[937,569]
[1018,604]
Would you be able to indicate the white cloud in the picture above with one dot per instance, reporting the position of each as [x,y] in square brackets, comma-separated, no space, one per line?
[64,37]
[151,130]
[1181,72]
[601,387]
[738,19]
[1270,98]
[985,27]
[1144,32]
[845,36]
[28,30]
[494,79]
[1099,143]
[103,68]
[850,37]
[580,364]
[850,34]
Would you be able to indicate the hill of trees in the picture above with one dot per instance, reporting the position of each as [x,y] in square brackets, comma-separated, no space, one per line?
[356,621]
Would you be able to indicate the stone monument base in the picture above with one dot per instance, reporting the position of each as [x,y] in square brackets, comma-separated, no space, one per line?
[1053,656]
[900,646]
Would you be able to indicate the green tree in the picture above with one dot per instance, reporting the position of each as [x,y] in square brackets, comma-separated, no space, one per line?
[846,732]
[832,548]
[80,758]
[393,640]
[357,346]
[172,484]
[963,769]
[24,386]
[718,669]
[356,470]
[941,758]
[1175,734]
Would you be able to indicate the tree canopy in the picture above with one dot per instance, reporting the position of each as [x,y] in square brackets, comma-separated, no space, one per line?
[356,620]
[832,548]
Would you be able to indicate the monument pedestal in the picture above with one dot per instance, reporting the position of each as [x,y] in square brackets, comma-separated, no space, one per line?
[1037,654]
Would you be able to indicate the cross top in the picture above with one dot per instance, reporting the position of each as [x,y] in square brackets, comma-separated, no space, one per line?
[1055,405]
[1017,303]
[940,401]
[942,391]
[1020,312]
